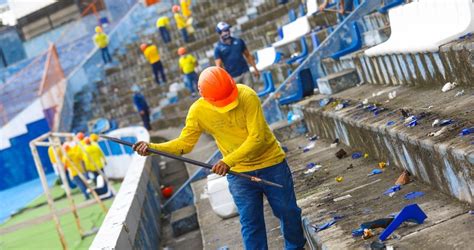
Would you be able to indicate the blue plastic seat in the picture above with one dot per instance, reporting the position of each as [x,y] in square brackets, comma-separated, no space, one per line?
[303,54]
[355,45]
[409,213]
[269,86]
[390,4]
[304,87]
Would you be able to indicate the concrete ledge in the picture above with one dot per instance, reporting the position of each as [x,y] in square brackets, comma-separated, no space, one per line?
[337,82]
[184,220]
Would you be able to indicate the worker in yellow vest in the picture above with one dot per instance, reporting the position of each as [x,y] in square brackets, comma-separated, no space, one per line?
[187,64]
[94,159]
[163,25]
[153,57]
[72,162]
[101,40]
[52,158]
[180,23]
[186,8]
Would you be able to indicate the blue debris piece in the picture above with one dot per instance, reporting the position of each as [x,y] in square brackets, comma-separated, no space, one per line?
[305,150]
[467,131]
[393,189]
[413,122]
[310,165]
[390,123]
[409,213]
[445,122]
[327,225]
[357,232]
[356,155]
[413,195]
[375,171]
[324,102]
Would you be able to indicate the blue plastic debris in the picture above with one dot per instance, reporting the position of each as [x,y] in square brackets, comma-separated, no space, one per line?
[305,150]
[356,155]
[375,171]
[310,165]
[390,123]
[327,225]
[357,232]
[413,195]
[467,131]
[445,122]
[409,213]
[413,122]
[324,102]
[393,189]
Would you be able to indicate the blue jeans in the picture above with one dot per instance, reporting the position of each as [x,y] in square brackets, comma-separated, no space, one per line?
[81,186]
[248,196]
[184,33]
[190,81]
[158,69]
[106,55]
[165,34]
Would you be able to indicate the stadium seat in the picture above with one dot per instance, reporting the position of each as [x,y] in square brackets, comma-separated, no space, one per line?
[356,43]
[294,31]
[302,55]
[266,57]
[269,86]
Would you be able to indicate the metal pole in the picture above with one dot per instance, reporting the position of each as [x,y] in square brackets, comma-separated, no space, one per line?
[44,183]
[66,186]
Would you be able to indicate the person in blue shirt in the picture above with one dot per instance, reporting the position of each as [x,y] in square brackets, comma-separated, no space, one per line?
[232,54]
[142,106]
[344,9]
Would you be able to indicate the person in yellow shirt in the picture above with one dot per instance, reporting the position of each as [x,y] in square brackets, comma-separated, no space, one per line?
[101,40]
[72,162]
[186,8]
[52,158]
[153,57]
[180,23]
[94,159]
[163,25]
[187,64]
[232,114]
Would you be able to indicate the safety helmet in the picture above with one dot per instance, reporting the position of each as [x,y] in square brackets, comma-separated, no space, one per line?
[94,137]
[143,46]
[218,88]
[87,141]
[181,51]
[98,29]
[80,136]
[221,26]
[66,147]
[175,8]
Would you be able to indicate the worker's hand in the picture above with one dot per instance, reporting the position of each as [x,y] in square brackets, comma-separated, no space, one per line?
[220,168]
[142,112]
[141,148]
[256,73]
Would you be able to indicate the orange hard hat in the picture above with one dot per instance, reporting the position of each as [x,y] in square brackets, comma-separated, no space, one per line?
[98,29]
[94,137]
[218,88]
[175,8]
[181,51]
[143,46]
[87,141]
[80,136]
[66,147]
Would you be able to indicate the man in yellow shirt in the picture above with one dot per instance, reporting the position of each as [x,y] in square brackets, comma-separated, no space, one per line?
[186,8]
[163,25]
[180,23]
[94,159]
[232,114]
[153,57]
[73,164]
[101,40]
[187,64]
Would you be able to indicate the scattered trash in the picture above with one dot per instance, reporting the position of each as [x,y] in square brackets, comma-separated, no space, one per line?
[339,179]
[375,171]
[342,198]
[313,138]
[367,234]
[403,179]
[379,223]
[309,146]
[325,102]
[435,123]
[341,154]
[356,155]
[467,131]
[365,101]
[411,212]
[339,107]
[411,121]
[335,143]
[437,133]
[445,122]
[459,93]
[391,191]
[326,225]
[392,95]
[223,248]
[366,155]
[413,195]
[382,164]
[350,167]
[390,123]
[448,86]
[312,170]
[377,245]
[357,232]
[405,113]
[471,212]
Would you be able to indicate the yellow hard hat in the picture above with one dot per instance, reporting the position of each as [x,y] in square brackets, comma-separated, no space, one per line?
[98,29]
[94,137]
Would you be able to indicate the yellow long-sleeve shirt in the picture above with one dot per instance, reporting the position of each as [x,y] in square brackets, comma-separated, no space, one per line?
[151,54]
[101,40]
[51,155]
[180,21]
[186,8]
[163,21]
[73,161]
[242,134]
[93,157]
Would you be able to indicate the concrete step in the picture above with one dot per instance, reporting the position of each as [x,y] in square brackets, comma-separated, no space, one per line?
[184,220]
[444,162]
